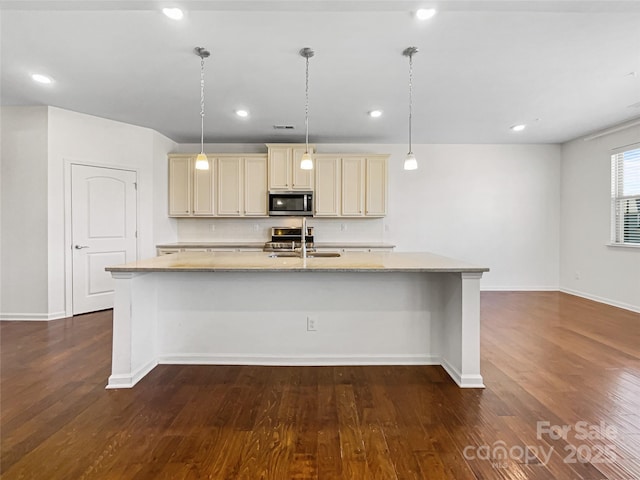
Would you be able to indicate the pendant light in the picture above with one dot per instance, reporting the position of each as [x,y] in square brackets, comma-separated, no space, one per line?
[306,162]
[202,163]
[410,163]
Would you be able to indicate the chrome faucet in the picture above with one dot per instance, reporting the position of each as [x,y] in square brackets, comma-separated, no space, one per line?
[303,238]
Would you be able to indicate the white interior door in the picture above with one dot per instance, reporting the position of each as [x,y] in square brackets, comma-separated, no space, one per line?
[103,225]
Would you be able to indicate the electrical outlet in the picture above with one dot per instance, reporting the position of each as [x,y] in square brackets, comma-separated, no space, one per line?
[312,323]
[343,227]
[213,227]
[577,275]
[256,227]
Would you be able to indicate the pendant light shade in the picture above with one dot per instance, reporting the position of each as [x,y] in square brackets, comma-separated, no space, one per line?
[410,163]
[306,162]
[202,162]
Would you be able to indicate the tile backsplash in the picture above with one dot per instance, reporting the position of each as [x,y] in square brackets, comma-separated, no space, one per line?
[259,229]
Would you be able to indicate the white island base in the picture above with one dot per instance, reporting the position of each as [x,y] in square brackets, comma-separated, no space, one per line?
[359,309]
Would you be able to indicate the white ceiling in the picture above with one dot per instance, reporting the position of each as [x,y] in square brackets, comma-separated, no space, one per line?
[562,67]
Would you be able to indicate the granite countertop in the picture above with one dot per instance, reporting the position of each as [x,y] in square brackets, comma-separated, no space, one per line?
[261,244]
[263,262]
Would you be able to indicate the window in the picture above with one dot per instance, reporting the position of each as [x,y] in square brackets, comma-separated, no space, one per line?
[625,197]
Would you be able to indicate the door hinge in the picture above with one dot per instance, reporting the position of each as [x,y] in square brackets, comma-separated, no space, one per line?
[136,234]
[135,185]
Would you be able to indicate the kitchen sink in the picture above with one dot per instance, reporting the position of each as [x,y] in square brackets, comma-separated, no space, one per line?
[309,255]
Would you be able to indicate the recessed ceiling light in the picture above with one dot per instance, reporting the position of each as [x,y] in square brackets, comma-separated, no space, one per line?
[518,128]
[173,13]
[375,113]
[242,113]
[425,13]
[38,77]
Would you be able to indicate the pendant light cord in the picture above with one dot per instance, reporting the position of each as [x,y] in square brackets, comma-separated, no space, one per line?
[410,97]
[202,104]
[306,107]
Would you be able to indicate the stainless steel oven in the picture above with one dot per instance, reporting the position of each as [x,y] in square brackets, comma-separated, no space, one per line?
[291,203]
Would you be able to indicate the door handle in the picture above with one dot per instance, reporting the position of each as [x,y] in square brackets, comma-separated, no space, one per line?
[80,247]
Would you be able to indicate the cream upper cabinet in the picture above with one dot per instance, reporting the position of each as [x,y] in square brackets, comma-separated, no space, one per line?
[353,170]
[327,193]
[242,186]
[350,185]
[180,184]
[234,185]
[279,168]
[284,167]
[237,185]
[203,191]
[376,186]
[230,189]
[190,190]
[300,179]
[255,186]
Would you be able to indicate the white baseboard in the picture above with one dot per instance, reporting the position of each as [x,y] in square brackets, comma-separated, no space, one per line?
[128,381]
[296,360]
[607,301]
[463,381]
[32,317]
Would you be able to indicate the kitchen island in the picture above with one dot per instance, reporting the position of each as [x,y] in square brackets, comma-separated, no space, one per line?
[256,308]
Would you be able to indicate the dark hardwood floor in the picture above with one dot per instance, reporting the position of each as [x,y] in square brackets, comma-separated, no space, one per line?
[548,359]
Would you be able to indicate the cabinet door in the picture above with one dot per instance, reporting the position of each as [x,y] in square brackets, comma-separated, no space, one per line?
[376,187]
[203,182]
[301,179]
[180,180]
[327,192]
[279,168]
[352,186]
[229,186]
[255,186]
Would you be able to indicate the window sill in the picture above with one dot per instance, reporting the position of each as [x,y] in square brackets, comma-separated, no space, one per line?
[623,245]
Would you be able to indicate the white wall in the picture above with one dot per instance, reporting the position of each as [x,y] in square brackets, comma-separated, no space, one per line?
[80,138]
[589,267]
[493,205]
[23,258]
[38,146]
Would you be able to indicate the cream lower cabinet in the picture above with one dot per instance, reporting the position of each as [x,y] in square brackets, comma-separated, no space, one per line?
[242,186]
[350,185]
[284,167]
[355,249]
[169,251]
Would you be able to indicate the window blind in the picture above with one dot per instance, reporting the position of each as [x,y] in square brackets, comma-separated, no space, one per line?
[625,197]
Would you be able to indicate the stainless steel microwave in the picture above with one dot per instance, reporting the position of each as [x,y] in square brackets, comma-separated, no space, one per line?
[291,203]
